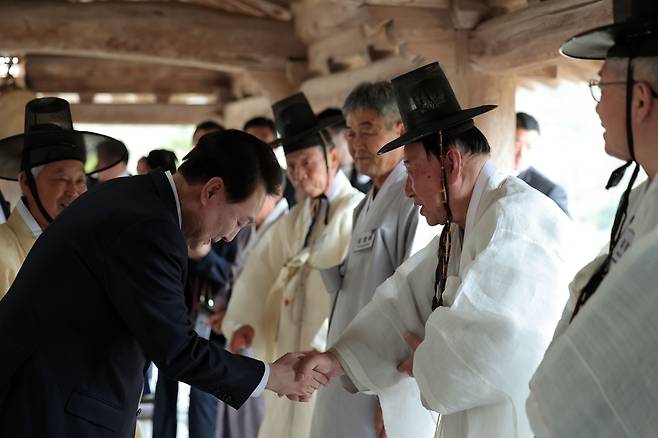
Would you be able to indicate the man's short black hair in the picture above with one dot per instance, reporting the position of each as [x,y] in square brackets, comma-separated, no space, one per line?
[260,122]
[527,122]
[208,125]
[112,152]
[471,141]
[240,159]
[162,159]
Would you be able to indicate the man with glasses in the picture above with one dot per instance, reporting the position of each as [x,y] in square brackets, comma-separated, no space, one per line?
[599,377]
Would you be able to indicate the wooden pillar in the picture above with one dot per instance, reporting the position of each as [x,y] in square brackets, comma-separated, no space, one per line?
[474,88]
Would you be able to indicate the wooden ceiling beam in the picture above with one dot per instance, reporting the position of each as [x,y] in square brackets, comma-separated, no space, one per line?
[84,75]
[148,114]
[531,37]
[168,33]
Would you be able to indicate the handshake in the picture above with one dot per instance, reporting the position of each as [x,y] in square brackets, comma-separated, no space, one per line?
[298,375]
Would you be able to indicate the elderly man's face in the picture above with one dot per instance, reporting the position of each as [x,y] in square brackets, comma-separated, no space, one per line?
[307,170]
[58,184]
[611,111]
[366,133]
[424,183]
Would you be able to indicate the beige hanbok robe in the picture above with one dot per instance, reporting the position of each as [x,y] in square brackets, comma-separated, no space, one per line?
[599,377]
[17,236]
[502,302]
[281,294]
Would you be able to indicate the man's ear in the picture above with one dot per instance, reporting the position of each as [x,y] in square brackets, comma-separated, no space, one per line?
[332,156]
[453,163]
[22,181]
[212,188]
[399,129]
[643,101]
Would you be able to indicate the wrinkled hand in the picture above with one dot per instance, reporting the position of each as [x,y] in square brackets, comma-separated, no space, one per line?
[408,365]
[242,338]
[325,363]
[215,320]
[200,251]
[380,432]
[285,380]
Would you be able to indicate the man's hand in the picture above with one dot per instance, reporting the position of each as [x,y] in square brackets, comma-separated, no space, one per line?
[242,338]
[325,363]
[380,432]
[215,320]
[284,379]
[200,251]
[408,365]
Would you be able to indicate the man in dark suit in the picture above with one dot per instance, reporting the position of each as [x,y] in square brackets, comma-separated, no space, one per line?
[526,142]
[102,290]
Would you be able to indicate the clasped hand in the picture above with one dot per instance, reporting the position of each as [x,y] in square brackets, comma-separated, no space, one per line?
[299,375]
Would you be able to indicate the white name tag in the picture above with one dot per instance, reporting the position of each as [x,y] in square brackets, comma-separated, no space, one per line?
[365,241]
[624,243]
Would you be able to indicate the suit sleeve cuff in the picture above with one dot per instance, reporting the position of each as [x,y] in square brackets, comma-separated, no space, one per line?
[263,382]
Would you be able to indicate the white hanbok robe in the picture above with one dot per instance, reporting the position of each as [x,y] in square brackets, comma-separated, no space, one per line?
[280,293]
[387,230]
[599,377]
[502,302]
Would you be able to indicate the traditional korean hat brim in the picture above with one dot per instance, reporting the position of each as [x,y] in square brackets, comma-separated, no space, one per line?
[458,120]
[57,145]
[632,38]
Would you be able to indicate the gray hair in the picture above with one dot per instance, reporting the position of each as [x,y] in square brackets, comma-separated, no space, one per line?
[37,170]
[375,96]
[645,69]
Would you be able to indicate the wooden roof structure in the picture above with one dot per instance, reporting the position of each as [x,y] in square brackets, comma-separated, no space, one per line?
[182,61]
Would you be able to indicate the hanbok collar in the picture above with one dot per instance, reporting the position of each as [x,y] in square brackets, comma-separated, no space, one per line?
[170,178]
[29,220]
[279,209]
[487,171]
[398,172]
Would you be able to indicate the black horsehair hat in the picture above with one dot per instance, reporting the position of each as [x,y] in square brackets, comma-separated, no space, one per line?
[297,124]
[48,136]
[633,34]
[428,105]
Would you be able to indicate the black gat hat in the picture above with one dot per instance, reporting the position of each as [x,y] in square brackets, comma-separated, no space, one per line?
[428,104]
[48,136]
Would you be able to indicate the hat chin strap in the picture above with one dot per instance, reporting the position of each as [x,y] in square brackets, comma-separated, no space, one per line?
[444,177]
[32,185]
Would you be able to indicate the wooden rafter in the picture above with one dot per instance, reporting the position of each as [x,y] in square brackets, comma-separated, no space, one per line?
[256,8]
[531,37]
[168,33]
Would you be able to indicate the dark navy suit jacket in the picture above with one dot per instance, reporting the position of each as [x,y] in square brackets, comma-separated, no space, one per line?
[102,290]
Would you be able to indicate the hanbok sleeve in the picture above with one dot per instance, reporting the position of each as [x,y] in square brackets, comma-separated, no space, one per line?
[600,377]
[504,308]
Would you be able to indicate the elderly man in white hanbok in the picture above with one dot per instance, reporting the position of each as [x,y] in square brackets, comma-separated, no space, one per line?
[279,302]
[387,230]
[600,375]
[472,329]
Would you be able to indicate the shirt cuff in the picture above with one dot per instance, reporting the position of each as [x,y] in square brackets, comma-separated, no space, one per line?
[263,382]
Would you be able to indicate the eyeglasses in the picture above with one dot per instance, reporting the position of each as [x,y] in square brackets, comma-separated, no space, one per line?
[595,88]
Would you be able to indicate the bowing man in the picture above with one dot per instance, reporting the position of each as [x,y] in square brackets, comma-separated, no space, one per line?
[101,292]
[472,327]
